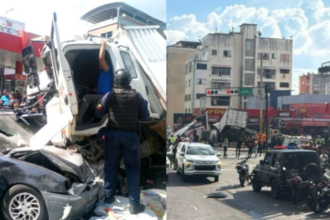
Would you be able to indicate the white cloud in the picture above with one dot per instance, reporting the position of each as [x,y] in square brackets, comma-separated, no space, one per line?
[37,16]
[174,36]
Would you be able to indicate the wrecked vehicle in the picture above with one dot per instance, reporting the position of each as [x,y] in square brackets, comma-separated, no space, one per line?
[38,184]
[65,152]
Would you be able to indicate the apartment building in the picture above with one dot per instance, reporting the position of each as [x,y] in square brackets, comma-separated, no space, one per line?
[177,56]
[312,83]
[232,60]
[106,19]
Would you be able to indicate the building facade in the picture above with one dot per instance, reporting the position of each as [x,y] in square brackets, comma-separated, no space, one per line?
[232,60]
[106,19]
[312,83]
[177,55]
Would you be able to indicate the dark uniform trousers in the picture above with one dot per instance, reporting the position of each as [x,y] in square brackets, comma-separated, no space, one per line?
[119,143]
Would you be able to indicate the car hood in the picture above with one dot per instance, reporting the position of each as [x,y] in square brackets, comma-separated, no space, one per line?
[202,157]
[67,162]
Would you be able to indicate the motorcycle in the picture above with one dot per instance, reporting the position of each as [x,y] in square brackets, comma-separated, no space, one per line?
[322,202]
[302,190]
[242,169]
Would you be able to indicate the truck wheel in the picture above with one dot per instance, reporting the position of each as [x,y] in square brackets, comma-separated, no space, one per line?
[216,179]
[256,186]
[23,202]
[275,189]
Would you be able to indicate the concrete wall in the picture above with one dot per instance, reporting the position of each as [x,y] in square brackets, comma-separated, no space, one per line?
[176,68]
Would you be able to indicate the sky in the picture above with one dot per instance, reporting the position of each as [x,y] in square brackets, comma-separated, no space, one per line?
[37,14]
[307,21]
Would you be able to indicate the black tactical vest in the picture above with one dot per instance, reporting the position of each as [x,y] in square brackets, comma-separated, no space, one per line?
[124,110]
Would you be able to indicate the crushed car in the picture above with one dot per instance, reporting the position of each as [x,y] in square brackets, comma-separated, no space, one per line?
[58,173]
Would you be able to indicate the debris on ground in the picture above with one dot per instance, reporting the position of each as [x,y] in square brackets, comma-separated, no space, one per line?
[153,199]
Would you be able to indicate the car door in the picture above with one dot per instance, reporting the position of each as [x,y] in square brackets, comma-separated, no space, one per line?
[62,72]
[178,151]
[265,168]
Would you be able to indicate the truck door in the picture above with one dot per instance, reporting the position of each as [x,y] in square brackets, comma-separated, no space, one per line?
[265,168]
[62,71]
[274,169]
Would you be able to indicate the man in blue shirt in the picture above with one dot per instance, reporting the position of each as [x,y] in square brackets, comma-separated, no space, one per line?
[125,108]
[5,98]
[104,84]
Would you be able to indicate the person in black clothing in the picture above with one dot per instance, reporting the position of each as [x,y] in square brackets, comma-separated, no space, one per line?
[238,147]
[250,146]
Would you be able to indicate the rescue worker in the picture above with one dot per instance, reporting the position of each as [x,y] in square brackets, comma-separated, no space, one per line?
[125,107]
[172,139]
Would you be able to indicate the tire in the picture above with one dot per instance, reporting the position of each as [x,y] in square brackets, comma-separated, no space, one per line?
[256,184]
[242,179]
[184,177]
[275,189]
[216,179]
[320,204]
[10,199]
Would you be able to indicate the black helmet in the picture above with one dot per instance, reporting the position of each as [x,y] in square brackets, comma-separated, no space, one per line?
[122,78]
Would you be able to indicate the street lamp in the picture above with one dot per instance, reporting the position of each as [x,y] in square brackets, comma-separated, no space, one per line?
[8,12]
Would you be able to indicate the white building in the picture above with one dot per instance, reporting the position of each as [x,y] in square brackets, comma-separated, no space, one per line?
[232,60]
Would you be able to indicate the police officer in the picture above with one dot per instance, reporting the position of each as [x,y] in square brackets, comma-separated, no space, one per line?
[125,107]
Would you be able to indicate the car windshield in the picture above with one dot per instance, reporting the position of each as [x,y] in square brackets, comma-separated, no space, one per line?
[199,150]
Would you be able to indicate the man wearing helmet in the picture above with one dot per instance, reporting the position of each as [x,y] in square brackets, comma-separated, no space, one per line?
[125,108]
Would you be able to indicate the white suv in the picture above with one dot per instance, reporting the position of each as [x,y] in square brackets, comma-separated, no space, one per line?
[197,159]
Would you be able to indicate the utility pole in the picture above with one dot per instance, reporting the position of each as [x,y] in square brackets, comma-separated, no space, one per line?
[261,99]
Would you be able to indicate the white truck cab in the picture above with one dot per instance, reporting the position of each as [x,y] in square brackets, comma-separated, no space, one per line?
[74,70]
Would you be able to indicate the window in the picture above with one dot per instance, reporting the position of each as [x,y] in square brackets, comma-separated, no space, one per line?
[189,83]
[201,66]
[268,73]
[227,53]
[271,85]
[128,64]
[214,52]
[249,64]
[183,149]
[276,160]
[220,71]
[284,85]
[285,58]
[265,56]
[249,47]
[201,81]
[189,68]
[107,35]
[221,100]
[218,85]
[199,95]
[285,71]
[267,159]
[249,79]
[274,56]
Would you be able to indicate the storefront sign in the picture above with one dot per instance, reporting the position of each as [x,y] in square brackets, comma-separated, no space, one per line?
[253,120]
[216,111]
[302,111]
[284,114]
[12,27]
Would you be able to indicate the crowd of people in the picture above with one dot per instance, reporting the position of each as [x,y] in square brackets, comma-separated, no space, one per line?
[11,100]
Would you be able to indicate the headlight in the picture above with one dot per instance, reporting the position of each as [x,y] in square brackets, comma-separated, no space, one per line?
[188,162]
[218,163]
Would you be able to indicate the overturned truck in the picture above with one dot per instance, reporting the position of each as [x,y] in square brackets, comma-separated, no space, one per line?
[61,166]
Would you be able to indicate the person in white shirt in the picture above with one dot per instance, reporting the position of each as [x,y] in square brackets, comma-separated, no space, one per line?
[324,157]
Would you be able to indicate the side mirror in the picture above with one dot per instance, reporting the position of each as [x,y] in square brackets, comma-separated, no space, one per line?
[218,154]
[181,154]
[261,162]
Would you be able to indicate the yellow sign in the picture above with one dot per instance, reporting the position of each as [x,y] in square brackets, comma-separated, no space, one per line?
[216,111]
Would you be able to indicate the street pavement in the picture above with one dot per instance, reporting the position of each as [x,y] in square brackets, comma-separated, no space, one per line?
[186,201]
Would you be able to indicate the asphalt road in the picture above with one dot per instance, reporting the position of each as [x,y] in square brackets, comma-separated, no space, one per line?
[186,201]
